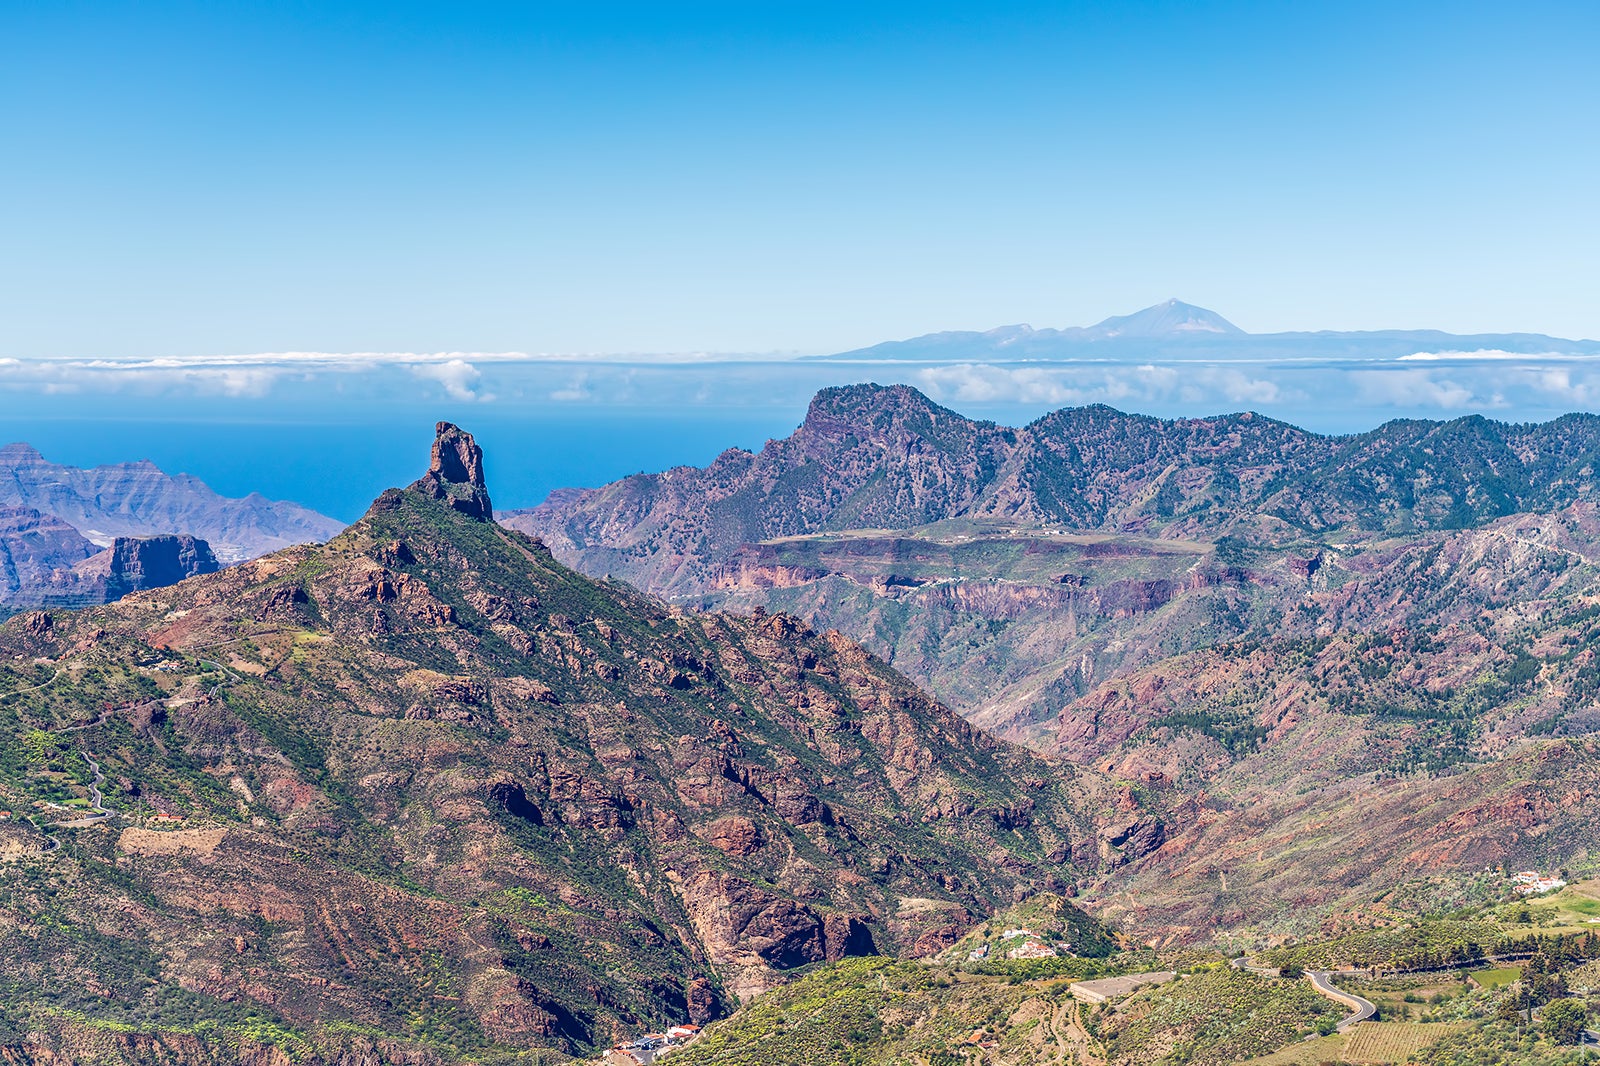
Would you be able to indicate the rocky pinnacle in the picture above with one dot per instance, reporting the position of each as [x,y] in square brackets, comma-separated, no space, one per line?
[456,473]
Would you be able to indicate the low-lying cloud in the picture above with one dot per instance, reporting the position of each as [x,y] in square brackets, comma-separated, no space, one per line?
[458,377]
[1415,388]
[983,383]
[1329,395]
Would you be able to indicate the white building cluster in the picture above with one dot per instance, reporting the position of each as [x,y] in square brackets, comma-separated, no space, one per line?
[1533,883]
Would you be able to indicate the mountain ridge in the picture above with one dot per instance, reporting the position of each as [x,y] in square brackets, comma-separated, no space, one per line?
[871,456]
[138,499]
[1183,331]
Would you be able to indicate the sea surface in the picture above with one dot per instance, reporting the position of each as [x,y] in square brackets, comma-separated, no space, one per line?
[338,468]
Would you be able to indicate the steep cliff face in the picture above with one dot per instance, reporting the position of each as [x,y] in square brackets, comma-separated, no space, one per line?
[32,547]
[135,564]
[455,474]
[446,786]
[139,500]
[131,564]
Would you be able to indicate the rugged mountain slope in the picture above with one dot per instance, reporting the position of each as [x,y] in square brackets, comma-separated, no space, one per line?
[33,546]
[1340,666]
[863,458]
[1012,625]
[1282,861]
[1379,713]
[139,500]
[435,783]
[131,564]
[876,1012]
[1327,769]
[1011,571]
[869,457]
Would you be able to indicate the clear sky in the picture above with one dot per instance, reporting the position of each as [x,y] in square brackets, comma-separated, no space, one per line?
[209,178]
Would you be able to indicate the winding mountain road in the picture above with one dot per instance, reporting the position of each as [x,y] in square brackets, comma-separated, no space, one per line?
[96,797]
[98,812]
[228,676]
[33,688]
[1364,1009]
[106,713]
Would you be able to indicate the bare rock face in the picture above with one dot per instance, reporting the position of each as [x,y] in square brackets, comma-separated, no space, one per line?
[1134,839]
[131,564]
[455,475]
[32,546]
[136,564]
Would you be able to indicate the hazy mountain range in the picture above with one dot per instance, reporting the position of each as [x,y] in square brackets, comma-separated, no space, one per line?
[1176,330]
[70,536]
[139,499]
[876,457]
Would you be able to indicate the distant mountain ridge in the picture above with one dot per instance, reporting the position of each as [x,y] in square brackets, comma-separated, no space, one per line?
[131,564]
[139,500]
[1162,320]
[1178,330]
[35,545]
[871,456]
[44,562]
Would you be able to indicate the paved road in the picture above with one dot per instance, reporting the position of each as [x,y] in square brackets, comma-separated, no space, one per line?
[1363,1009]
[96,798]
[1246,963]
[33,688]
[228,676]
[104,714]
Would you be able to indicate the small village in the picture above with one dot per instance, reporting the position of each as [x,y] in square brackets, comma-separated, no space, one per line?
[651,1047]
[1032,946]
[1533,883]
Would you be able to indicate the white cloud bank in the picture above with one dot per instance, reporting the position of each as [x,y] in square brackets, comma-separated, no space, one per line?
[1069,386]
[1439,384]
[458,377]
[1415,388]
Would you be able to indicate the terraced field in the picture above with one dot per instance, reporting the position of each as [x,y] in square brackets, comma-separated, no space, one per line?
[1380,1043]
[1306,1053]
[1368,1044]
[1496,978]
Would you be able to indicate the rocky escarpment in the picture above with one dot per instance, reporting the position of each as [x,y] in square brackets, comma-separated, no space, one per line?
[139,500]
[441,785]
[32,547]
[131,564]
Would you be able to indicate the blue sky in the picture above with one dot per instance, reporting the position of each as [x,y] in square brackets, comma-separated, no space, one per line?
[268,243]
[226,178]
